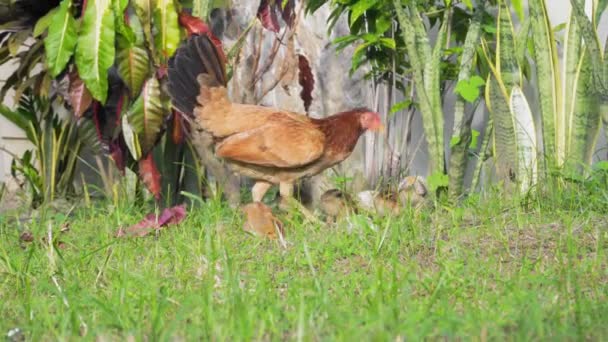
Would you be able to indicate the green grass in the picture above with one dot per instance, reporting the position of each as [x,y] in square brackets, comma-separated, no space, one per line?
[486,270]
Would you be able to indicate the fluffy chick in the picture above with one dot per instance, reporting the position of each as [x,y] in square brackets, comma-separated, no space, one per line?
[380,203]
[260,221]
[336,204]
[412,191]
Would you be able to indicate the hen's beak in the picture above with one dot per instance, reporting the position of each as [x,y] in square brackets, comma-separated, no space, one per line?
[380,128]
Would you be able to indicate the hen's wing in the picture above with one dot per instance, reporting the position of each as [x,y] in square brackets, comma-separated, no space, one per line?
[282,141]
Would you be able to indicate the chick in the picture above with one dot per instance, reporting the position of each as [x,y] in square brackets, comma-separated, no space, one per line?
[260,221]
[336,204]
[380,203]
[412,191]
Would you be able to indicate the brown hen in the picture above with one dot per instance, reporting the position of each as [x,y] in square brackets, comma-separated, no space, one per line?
[270,145]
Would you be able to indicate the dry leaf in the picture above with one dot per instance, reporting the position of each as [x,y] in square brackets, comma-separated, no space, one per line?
[151,222]
[80,97]
[26,236]
[306,80]
[148,172]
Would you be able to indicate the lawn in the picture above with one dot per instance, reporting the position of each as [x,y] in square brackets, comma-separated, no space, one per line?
[489,269]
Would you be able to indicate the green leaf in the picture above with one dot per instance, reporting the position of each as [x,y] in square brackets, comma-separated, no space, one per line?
[389,43]
[95,50]
[474,139]
[200,8]
[469,89]
[168,36]
[468,3]
[133,68]
[133,62]
[519,8]
[359,8]
[131,139]
[146,115]
[437,180]
[119,7]
[15,117]
[144,10]
[43,23]
[601,165]
[399,106]
[60,42]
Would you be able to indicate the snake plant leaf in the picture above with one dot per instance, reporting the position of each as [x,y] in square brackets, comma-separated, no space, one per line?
[87,134]
[506,60]
[598,10]
[146,116]
[585,119]
[426,80]
[505,148]
[549,83]
[168,35]
[61,40]
[462,124]
[572,56]
[95,51]
[592,44]
[525,134]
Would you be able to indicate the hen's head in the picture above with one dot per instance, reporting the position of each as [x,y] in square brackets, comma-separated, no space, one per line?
[370,120]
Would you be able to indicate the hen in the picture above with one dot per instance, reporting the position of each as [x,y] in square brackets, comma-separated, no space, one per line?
[270,145]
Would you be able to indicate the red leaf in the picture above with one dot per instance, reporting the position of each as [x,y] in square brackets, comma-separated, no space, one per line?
[306,80]
[288,12]
[161,72]
[26,236]
[148,172]
[178,128]
[118,155]
[80,97]
[193,25]
[151,222]
[268,16]
[119,105]
[96,120]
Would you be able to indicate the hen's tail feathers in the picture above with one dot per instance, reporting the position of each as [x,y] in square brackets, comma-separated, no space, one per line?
[198,55]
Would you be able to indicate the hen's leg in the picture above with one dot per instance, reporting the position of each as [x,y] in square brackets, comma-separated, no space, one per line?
[288,201]
[259,190]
